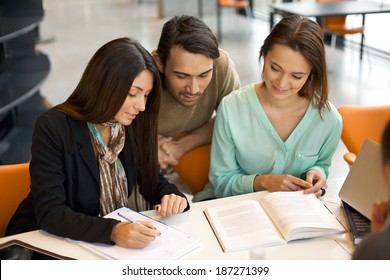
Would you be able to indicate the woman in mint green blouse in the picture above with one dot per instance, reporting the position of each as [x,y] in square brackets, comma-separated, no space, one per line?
[278,134]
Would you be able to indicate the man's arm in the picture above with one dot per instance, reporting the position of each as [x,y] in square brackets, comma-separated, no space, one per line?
[172,150]
[164,159]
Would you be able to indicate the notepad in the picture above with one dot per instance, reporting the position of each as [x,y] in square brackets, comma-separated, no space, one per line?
[171,244]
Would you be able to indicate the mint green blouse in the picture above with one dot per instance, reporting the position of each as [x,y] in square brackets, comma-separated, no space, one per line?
[246,144]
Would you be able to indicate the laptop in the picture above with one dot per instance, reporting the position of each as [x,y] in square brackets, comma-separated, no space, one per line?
[365,181]
[363,186]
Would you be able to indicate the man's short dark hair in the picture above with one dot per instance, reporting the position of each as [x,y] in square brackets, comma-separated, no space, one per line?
[190,33]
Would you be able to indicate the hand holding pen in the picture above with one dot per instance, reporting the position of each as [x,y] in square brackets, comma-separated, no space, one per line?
[171,204]
[133,234]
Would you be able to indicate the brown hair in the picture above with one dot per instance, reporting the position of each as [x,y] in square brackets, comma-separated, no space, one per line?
[385,145]
[102,91]
[305,36]
[190,33]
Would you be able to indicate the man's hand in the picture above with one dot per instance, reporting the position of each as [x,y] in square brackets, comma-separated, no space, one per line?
[165,159]
[173,149]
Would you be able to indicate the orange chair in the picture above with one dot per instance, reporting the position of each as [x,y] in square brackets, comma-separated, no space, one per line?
[193,168]
[14,187]
[336,25]
[360,123]
[233,4]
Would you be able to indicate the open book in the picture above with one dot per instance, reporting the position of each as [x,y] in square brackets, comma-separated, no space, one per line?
[171,244]
[277,218]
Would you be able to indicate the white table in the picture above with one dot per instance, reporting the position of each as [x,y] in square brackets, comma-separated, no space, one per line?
[337,247]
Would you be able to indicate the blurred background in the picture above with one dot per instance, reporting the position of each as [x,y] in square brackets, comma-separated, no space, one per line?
[70,31]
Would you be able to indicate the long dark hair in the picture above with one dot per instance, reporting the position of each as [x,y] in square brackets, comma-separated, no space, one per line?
[102,91]
[305,36]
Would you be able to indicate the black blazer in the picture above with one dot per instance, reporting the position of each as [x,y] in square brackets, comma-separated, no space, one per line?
[64,196]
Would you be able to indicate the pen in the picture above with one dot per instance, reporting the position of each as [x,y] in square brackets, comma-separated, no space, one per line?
[130,219]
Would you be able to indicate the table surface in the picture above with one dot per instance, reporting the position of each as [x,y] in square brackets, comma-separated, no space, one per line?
[194,222]
[330,9]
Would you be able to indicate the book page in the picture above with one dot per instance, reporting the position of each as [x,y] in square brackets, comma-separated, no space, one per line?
[171,244]
[299,215]
[242,225]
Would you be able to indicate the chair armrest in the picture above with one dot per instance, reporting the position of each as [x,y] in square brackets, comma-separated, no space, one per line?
[349,158]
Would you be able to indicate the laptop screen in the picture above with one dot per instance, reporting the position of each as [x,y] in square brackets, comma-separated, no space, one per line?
[365,182]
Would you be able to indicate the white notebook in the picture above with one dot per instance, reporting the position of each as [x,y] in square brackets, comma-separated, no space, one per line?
[171,244]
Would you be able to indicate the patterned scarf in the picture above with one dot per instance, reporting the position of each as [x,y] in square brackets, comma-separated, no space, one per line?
[113,181]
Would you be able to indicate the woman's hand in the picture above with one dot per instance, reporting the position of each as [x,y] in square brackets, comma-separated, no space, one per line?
[134,235]
[380,212]
[318,182]
[284,182]
[171,204]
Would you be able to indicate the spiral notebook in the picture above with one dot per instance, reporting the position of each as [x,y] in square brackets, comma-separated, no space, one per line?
[171,244]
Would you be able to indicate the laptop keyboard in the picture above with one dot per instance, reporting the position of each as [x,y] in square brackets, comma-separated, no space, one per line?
[359,225]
